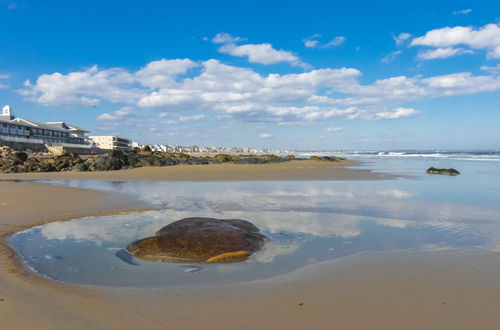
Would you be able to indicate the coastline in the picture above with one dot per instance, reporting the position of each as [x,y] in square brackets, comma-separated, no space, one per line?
[446,290]
[291,170]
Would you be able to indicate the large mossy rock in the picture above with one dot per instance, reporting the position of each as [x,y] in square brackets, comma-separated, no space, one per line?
[445,171]
[201,240]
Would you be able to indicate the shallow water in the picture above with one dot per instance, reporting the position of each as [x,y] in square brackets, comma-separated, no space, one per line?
[308,222]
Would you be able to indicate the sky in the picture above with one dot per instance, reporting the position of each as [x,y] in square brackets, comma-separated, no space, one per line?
[303,75]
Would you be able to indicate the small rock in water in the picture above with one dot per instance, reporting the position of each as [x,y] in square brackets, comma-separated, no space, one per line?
[446,171]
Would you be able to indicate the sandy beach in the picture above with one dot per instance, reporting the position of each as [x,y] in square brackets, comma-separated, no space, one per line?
[291,170]
[439,290]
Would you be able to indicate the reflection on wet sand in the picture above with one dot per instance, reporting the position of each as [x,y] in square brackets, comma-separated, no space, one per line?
[307,221]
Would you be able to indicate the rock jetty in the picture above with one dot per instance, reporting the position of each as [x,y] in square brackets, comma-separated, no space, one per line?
[12,161]
[201,240]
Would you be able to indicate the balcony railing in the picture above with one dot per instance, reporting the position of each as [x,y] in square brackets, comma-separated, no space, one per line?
[20,139]
[71,145]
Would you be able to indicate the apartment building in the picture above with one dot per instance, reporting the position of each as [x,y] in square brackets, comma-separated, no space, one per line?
[21,130]
[111,142]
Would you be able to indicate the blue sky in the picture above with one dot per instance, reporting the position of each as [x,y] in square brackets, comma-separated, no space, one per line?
[281,74]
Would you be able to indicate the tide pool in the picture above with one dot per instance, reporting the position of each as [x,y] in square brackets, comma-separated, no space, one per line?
[308,222]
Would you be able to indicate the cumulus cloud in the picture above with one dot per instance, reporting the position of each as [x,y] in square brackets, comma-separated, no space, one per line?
[263,53]
[494,70]
[116,115]
[486,37]
[162,73]
[224,38]
[260,53]
[265,135]
[396,113]
[443,53]
[85,87]
[168,86]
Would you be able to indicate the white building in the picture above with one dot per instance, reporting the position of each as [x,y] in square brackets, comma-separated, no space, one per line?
[14,129]
[109,142]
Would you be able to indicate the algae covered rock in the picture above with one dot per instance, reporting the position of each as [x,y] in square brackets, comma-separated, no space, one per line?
[445,171]
[201,240]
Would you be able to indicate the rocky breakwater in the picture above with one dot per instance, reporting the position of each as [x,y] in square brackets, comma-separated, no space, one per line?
[12,161]
[201,240]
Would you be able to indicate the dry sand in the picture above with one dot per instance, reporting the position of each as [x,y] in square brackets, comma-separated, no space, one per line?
[291,170]
[449,290]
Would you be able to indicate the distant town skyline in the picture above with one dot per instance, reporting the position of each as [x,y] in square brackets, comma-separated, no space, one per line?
[315,75]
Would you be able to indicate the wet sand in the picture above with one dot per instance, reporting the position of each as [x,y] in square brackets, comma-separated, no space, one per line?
[291,170]
[442,290]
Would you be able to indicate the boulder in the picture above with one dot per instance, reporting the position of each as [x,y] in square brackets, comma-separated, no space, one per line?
[225,158]
[201,240]
[446,171]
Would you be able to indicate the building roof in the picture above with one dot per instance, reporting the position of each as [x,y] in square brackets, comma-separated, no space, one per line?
[76,128]
[38,124]
[56,126]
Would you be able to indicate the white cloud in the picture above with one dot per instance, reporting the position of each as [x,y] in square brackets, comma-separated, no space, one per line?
[312,42]
[263,53]
[495,70]
[191,118]
[243,94]
[462,12]
[337,41]
[334,129]
[391,56]
[116,115]
[224,38]
[83,87]
[162,73]
[396,113]
[486,37]
[265,135]
[2,85]
[401,38]
[432,54]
